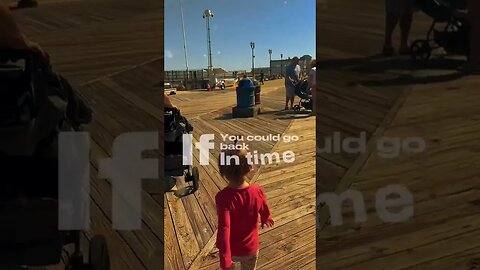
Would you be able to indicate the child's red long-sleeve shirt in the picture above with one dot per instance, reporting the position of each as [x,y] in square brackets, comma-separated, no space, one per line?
[238,211]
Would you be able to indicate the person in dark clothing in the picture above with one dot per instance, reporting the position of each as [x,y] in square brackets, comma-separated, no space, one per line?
[472,14]
[398,12]
[292,77]
[262,78]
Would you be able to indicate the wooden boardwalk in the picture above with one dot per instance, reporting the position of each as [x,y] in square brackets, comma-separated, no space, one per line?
[394,98]
[111,55]
[108,51]
[191,222]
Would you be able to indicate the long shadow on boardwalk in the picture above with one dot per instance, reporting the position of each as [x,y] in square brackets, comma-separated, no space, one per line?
[288,115]
[380,65]
[293,117]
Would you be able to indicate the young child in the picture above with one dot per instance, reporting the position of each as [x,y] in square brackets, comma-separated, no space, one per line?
[239,206]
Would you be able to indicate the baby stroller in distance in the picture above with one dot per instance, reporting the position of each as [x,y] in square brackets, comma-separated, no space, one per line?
[453,37]
[35,105]
[302,90]
[175,126]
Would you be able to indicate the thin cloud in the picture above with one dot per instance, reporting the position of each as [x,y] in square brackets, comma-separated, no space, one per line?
[168,54]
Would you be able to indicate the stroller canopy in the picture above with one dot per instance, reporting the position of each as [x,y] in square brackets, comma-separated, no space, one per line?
[440,10]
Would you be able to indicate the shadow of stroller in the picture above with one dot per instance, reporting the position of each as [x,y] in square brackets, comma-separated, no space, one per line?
[391,66]
[362,64]
[413,80]
[288,115]
[277,112]
[293,117]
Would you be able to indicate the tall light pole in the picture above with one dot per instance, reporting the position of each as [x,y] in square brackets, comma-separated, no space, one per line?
[206,15]
[252,45]
[184,40]
[281,64]
[270,52]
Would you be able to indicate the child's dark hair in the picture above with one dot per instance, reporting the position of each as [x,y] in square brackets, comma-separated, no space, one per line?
[235,164]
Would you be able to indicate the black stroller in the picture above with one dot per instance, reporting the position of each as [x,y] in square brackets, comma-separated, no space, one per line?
[453,36]
[29,197]
[302,90]
[175,126]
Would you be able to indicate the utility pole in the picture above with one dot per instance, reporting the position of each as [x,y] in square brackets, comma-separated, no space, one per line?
[206,15]
[270,52]
[252,45]
[281,63]
[184,40]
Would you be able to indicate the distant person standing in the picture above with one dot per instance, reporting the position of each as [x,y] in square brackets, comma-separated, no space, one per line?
[262,78]
[292,77]
[398,12]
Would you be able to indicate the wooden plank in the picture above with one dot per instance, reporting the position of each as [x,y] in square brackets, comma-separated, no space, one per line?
[359,163]
[442,179]
[145,243]
[197,263]
[437,248]
[172,258]
[297,196]
[185,235]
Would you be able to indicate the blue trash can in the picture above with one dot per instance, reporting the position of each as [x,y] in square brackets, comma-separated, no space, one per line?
[245,94]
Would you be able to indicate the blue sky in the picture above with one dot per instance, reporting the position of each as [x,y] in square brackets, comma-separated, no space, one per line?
[285,26]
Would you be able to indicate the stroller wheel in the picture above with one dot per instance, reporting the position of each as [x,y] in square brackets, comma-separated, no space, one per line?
[170,182]
[193,177]
[189,174]
[75,262]
[98,257]
[421,50]
[196,178]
